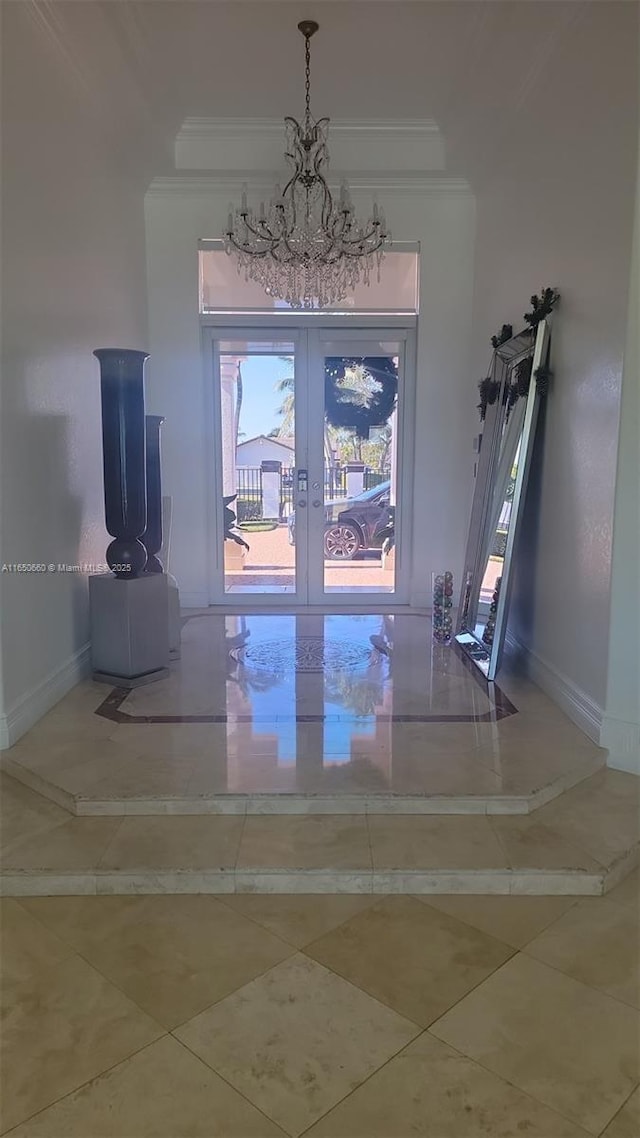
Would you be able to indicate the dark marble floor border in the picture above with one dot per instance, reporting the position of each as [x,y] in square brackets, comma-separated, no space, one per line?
[111,708]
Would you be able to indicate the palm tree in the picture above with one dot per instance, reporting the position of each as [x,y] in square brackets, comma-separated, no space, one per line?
[385,438]
[347,444]
[287,408]
[358,386]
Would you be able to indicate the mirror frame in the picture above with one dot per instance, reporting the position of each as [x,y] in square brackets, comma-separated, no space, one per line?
[487,658]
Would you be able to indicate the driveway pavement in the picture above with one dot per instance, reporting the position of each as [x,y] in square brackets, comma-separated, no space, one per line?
[270,563]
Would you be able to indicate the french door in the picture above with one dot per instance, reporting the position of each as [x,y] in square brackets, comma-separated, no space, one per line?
[306,510]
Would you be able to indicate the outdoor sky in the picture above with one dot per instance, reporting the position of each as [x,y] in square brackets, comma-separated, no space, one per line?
[260,400]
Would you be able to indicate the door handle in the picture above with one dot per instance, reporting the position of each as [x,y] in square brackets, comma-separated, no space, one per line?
[302,503]
[316,502]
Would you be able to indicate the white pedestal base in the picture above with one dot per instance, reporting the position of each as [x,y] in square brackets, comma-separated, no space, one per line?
[129,628]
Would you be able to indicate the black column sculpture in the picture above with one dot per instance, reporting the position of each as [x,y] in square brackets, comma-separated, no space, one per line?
[152,536]
[123,447]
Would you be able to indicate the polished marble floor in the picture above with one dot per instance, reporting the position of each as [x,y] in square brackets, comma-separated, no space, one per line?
[328,1017]
[305,708]
[358,670]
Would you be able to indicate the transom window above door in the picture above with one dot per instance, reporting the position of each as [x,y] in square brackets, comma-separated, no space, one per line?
[224,290]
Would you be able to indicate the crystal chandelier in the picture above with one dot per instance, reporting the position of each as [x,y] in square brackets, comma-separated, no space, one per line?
[304,247]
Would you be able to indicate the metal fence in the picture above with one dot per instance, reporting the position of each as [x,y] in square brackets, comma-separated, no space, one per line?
[248,504]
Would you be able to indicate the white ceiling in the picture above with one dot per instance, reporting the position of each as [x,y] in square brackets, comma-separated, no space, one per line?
[477,67]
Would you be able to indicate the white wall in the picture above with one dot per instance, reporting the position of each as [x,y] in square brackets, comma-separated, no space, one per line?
[556,210]
[73,280]
[443,221]
[254,451]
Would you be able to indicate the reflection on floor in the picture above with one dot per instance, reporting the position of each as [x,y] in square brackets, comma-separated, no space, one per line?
[358,670]
[304,713]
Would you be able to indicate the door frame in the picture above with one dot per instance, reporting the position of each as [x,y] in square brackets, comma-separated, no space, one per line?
[312,328]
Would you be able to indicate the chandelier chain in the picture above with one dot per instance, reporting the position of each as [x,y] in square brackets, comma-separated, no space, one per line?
[307,84]
[305,248]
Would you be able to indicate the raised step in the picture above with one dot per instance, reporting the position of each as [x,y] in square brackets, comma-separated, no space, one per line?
[582,843]
[307,714]
[108,802]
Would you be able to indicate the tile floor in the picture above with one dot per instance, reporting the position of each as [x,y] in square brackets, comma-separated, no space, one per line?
[212,1007]
[303,713]
[334,1016]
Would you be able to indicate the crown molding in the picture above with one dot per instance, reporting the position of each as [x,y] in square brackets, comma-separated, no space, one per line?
[197,184]
[206,127]
[250,144]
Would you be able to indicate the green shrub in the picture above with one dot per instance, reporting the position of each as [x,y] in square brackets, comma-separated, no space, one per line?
[249,510]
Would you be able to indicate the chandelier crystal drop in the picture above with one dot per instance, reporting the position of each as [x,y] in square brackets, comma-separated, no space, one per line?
[304,247]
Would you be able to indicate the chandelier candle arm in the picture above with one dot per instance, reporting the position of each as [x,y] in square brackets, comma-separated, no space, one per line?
[305,248]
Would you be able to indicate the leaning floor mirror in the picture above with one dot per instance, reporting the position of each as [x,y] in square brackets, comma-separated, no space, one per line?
[518,380]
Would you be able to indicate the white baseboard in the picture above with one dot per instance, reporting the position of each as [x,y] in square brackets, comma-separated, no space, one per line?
[196,600]
[32,706]
[622,741]
[580,707]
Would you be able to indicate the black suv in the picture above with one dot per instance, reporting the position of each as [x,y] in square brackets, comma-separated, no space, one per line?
[352,524]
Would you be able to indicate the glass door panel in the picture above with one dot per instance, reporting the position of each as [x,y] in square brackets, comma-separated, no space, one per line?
[311,472]
[355,518]
[257,429]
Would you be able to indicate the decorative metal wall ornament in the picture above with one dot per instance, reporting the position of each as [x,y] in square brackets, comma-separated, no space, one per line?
[305,248]
[505,333]
[542,306]
[518,385]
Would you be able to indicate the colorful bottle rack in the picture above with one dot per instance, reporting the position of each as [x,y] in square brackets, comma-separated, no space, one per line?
[442,584]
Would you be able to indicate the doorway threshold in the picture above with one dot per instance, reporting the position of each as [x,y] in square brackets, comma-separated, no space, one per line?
[373,606]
